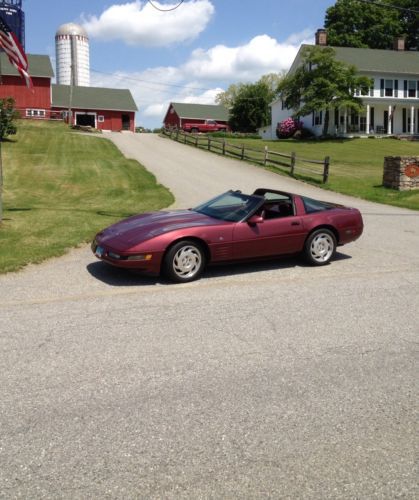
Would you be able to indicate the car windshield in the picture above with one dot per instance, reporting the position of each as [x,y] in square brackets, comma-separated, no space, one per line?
[232,206]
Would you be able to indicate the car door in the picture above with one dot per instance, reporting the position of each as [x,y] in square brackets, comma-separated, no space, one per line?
[284,235]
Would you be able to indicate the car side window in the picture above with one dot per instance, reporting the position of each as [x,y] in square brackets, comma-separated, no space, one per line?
[312,206]
[277,205]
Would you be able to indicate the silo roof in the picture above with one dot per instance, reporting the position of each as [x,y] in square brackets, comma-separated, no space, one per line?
[71,29]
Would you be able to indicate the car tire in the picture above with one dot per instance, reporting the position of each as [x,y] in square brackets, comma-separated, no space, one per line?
[184,261]
[194,130]
[320,247]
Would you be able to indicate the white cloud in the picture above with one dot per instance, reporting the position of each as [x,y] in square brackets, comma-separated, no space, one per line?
[139,23]
[261,55]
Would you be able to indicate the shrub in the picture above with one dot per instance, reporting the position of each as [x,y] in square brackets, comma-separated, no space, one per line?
[287,128]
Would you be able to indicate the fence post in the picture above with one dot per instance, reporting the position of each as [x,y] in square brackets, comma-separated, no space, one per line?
[266,156]
[224,147]
[209,143]
[242,151]
[293,159]
[196,141]
[177,134]
[184,135]
[326,169]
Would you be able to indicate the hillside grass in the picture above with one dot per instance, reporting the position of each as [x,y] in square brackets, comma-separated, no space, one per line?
[356,165]
[61,187]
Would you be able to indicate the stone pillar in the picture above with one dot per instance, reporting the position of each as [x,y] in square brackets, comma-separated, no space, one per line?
[401,172]
[345,121]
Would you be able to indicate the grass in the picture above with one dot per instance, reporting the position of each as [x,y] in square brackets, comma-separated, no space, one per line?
[356,166]
[60,188]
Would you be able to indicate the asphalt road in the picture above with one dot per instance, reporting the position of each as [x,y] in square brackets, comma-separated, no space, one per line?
[272,380]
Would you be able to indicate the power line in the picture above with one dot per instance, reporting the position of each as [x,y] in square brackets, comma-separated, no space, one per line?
[390,6]
[151,81]
[165,10]
[169,85]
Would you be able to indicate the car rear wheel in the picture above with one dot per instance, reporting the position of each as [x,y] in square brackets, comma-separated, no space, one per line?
[184,262]
[194,130]
[320,247]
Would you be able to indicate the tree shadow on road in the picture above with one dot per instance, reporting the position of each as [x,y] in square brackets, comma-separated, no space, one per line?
[115,276]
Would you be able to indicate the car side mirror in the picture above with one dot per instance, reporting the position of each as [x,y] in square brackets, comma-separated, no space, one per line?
[255,219]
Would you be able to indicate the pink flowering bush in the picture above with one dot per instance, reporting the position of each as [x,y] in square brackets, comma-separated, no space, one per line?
[287,128]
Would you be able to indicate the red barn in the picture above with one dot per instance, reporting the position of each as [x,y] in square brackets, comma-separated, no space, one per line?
[36,103]
[101,108]
[180,113]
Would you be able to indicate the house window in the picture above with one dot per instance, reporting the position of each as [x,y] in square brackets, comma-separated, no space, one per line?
[411,89]
[388,88]
[317,117]
[35,113]
[100,118]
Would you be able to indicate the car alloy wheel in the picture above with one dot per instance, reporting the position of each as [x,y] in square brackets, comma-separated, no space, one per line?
[184,261]
[320,247]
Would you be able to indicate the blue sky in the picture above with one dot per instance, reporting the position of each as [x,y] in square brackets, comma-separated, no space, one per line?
[188,55]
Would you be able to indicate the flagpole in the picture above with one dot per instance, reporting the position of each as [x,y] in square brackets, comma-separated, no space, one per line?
[17,57]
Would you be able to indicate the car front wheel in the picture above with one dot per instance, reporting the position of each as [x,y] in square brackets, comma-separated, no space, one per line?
[320,247]
[184,262]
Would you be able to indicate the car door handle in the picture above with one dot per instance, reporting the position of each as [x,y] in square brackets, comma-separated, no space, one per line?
[295,223]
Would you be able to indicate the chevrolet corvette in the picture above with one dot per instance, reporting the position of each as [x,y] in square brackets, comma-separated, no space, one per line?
[231,227]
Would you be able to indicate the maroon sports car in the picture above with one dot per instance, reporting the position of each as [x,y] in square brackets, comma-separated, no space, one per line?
[231,227]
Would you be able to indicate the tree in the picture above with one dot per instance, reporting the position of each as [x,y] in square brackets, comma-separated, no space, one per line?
[250,109]
[322,83]
[410,22]
[356,23]
[228,97]
[7,115]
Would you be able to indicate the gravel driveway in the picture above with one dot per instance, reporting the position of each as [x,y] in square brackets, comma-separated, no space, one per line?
[272,380]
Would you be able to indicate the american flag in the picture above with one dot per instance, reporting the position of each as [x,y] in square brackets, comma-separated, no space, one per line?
[14,51]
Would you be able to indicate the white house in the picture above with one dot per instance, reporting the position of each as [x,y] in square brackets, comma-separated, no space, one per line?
[392,104]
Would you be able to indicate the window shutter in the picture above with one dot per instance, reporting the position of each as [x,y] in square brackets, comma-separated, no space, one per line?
[396,88]
[312,119]
[321,118]
[405,89]
[382,87]
[404,121]
[372,117]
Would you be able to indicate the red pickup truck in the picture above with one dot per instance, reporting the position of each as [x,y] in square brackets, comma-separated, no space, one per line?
[207,126]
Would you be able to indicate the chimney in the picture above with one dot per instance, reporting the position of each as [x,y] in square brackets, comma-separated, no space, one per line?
[321,37]
[399,43]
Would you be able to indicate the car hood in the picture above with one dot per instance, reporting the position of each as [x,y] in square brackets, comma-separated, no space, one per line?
[139,228]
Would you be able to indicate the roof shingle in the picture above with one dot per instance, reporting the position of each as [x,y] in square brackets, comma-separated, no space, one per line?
[92,98]
[201,111]
[39,66]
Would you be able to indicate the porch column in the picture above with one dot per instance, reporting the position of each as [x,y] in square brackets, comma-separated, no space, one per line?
[390,119]
[345,121]
[367,125]
[412,120]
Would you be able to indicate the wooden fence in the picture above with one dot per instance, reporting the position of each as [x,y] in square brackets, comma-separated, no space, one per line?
[290,162]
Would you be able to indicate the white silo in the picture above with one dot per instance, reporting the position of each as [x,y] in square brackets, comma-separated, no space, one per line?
[72,55]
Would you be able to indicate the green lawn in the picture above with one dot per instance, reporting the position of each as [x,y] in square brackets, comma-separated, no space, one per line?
[60,188]
[356,166]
